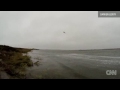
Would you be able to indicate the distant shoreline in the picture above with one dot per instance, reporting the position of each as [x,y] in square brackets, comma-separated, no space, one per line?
[79,49]
[66,50]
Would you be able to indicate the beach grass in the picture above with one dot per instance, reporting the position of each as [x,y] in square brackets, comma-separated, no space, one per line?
[13,62]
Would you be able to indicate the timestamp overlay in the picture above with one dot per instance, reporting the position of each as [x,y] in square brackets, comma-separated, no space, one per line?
[108,13]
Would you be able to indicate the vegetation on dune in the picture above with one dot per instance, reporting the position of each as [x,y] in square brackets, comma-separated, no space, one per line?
[13,62]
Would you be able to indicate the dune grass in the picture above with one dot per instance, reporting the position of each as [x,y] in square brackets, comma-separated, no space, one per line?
[14,62]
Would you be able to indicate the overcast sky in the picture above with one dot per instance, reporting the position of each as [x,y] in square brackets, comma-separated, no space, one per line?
[44,30]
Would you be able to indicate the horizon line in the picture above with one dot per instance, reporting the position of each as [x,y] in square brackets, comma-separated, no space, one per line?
[67,49]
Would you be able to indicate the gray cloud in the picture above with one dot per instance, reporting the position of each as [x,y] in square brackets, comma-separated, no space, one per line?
[44,30]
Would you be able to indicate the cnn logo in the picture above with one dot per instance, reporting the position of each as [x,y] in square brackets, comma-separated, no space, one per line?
[111,72]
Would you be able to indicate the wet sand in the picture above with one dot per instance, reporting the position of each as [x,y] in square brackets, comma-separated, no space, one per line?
[91,64]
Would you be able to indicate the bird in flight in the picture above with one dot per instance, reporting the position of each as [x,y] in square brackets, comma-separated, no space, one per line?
[63,32]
